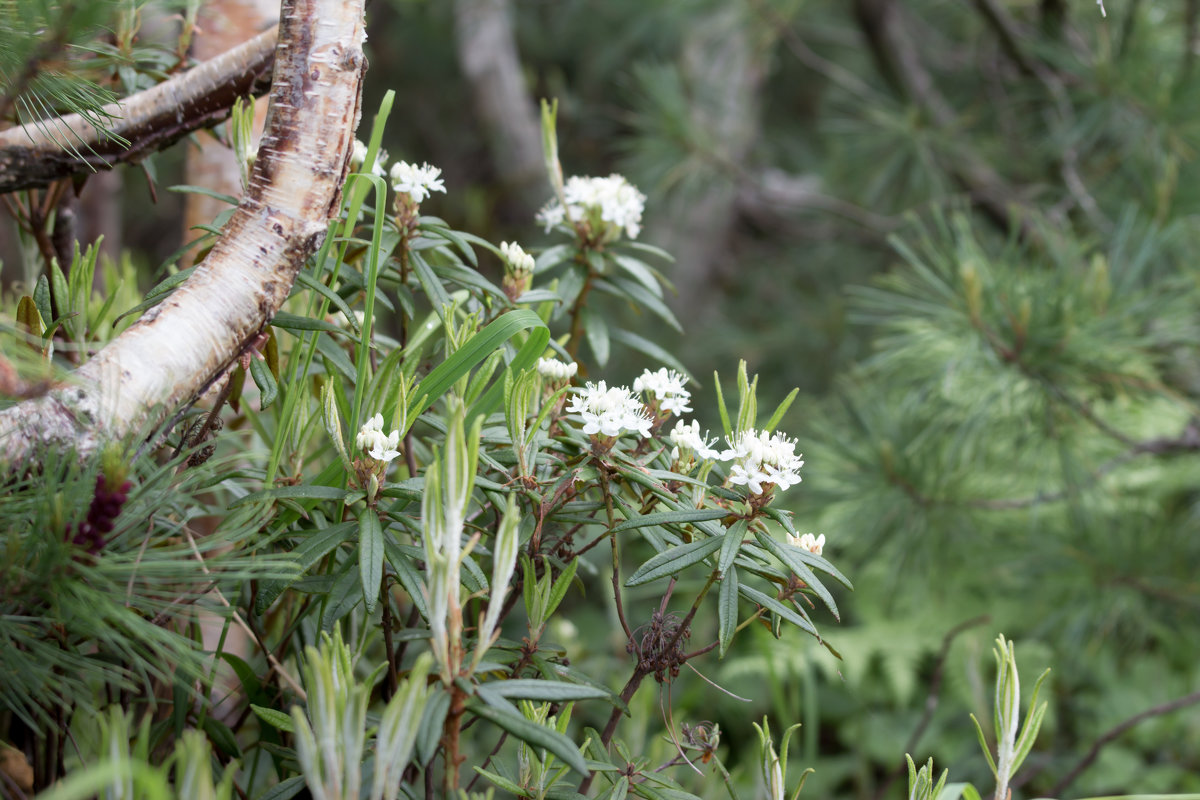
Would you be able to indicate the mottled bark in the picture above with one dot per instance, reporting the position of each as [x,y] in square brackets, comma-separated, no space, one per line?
[41,152]
[184,344]
[221,26]
[487,54]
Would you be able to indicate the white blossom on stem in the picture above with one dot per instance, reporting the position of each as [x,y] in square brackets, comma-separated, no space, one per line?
[416,182]
[688,440]
[610,412]
[666,388]
[762,459]
[520,262]
[374,442]
[556,371]
[606,206]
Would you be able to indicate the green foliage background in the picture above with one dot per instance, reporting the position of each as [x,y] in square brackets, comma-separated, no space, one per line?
[998,407]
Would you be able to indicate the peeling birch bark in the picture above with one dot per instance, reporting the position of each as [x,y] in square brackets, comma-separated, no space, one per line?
[222,25]
[41,152]
[184,344]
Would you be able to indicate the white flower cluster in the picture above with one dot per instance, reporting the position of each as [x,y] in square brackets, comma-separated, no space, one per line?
[667,388]
[613,200]
[554,370]
[609,412]
[359,156]
[687,438]
[416,182]
[813,544]
[763,458]
[374,442]
[520,262]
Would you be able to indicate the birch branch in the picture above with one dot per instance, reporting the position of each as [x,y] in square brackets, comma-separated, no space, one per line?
[185,343]
[41,152]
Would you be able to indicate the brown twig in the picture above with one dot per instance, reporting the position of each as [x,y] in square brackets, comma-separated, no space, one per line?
[1117,730]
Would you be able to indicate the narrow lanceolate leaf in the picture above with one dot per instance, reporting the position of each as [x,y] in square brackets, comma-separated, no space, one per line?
[474,351]
[276,719]
[549,691]
[778,608]
[674,560]
[727,609]
[533,733]
[731,545]
[790,556]
[370,556]
[303,491]
[671,517]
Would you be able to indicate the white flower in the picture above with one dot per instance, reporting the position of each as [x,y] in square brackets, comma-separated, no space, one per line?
[813,544]
[763,458]
[374,442]
[554,370]
[359,156]
[520,262]
[613,201]
[416,182]
[610,411]
[667,387]
[687,437]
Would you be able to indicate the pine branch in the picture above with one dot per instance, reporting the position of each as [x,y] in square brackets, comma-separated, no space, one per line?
[41,152]
[899,61]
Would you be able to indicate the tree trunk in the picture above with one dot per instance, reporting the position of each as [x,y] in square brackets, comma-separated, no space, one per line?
[184,344]
[221,26]
[487,54]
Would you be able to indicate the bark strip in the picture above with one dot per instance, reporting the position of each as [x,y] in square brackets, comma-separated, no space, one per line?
[41,152]
[181,346]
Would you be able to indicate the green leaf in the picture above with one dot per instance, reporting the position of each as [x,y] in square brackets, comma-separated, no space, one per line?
[561,585]
[307,280]
[790,555]
[303,491]
[722,409]
[732,545]
[343,597]
[266,382]
[983,745]
[220,735]
[674,559]
[503,783]
[778,608]
[532,733]
[429,733]
[284,790]
[276,719]
[474,351]
[41,297]
[596,330]
[727,609]
[550,691]
[781,410]
[316,545]
[370,556]
[671,518]
[296,322]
